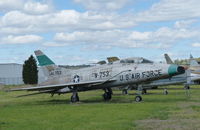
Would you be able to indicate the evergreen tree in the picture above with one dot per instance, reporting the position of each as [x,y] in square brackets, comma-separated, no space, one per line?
[30,72]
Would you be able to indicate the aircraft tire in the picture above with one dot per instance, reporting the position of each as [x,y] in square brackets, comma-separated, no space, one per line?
[77,97]
[74,98]
[138,98]
[124,92]
[165,92]
[187,87]
[107,96]
[144,91]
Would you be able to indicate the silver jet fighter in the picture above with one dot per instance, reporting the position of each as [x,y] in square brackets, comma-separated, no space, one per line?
[103,77]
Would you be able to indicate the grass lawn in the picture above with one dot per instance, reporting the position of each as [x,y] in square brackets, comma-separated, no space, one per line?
[156,111]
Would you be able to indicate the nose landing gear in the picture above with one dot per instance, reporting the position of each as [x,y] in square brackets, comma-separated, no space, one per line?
[138,98]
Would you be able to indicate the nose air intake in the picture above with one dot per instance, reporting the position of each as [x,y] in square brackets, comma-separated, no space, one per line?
[175,69]
[181,69]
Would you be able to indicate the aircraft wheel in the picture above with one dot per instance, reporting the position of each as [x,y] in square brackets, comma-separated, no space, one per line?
[165,92]
[77,97]
[107,96]
[124,92]
[74,98]
[138,98]
[144,91]
[187,87]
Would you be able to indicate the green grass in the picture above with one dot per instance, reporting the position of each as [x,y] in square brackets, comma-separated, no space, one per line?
[122,112]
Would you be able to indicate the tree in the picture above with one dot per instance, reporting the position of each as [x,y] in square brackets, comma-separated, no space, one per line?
[30,71]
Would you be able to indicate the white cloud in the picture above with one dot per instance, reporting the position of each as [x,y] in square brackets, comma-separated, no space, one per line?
[26,22]
[54,44]
[99,27]
[31,7]
[161,38]
[90,36]
[15,22]
[19,22]
[25,39]
[7,5]
[103,4]
[166,10]
[37,8]
[196,44]
[184,23]
[18,19]
[64,17]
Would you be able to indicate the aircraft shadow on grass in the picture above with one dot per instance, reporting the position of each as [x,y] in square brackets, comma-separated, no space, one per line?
[114,100]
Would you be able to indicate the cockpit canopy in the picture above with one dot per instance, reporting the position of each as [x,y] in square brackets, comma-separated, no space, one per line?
[137,60]
[116,60]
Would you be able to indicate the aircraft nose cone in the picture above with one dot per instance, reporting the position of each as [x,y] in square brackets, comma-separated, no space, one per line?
[175,69]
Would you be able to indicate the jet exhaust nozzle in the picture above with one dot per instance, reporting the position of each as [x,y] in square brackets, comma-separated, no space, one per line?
[175,69]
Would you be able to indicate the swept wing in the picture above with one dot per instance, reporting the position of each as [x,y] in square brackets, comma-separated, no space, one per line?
[60,86]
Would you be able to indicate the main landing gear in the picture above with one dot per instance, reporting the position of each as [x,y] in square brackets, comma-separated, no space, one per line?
[125,92]
[144,91]
[187,89]
[187,86]
[74,97]
[165,92]
[108,94]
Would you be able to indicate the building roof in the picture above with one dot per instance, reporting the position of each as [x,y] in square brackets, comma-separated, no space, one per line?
[10,64]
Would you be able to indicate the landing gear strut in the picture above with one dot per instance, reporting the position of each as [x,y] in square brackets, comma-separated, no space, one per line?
[124,92]
[52,94]
[108,94]
[138,98]
[144,91]
[165,92]
[187,89]
[74,97]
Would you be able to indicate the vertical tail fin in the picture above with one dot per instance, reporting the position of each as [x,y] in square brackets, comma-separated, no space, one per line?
[193,62]
[48,66]
[43,59]
[168,59]
[191,57]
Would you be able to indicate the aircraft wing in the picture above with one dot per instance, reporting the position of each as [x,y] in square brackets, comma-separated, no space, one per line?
[60,86]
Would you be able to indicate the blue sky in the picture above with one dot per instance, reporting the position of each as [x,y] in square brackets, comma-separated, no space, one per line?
[86,31]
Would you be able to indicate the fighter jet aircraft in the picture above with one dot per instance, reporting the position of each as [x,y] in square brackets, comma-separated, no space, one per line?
[193,67]
[105,76]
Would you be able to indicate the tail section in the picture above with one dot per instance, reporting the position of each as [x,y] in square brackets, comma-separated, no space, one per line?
[48,66]
[168,59]
[193,62]
[43,59]
[191,57]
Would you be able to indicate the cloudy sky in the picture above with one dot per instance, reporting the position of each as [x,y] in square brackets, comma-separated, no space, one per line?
[86,31]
